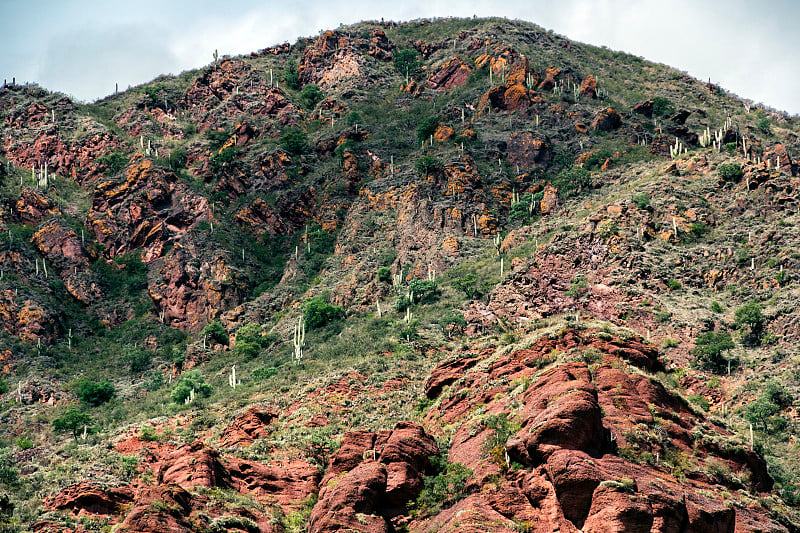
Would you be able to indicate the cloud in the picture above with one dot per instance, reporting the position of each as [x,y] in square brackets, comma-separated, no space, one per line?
[88,63]
[84,47]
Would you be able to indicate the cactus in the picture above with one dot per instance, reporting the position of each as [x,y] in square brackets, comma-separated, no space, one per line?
[232,377]
[705,138]
[299,340]
[675,151]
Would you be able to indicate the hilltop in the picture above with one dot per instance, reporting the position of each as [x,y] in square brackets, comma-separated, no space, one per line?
[461,275]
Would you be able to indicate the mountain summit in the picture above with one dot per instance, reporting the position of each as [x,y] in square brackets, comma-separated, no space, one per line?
[450,275]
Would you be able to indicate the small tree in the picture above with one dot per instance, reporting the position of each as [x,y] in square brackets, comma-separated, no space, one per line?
[73,421]
[93,392]
[190,381]
[749,315]
[406,62]
[710,349]
[291,75]
[317,312]
[310,96]
[427,128]
[427,164]
[215,331]
[294,142]
[453,323]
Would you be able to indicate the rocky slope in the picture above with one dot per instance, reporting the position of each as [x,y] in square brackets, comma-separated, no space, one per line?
[460,275]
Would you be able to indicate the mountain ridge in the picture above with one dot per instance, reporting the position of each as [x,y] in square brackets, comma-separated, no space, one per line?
[477,195]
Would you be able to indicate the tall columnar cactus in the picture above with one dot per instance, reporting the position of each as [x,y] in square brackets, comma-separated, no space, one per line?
[232,377]
[299,340]
[705,137]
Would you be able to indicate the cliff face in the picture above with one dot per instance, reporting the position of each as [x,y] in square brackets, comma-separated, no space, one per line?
[517,258]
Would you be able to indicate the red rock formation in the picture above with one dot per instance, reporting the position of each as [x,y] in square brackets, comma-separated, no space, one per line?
[61,246]
[91,498]
[589,87]
[453,73]
[147,211]
[248,427]
[528,151]
[607,120]
[644,108]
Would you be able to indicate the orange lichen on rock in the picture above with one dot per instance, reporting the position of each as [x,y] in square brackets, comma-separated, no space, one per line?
[450,245]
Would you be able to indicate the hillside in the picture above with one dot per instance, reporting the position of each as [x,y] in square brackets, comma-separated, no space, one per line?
[451,275]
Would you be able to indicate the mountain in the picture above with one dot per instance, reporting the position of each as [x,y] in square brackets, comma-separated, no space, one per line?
[451,275]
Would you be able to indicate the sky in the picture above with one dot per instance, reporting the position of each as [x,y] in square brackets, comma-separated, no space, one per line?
[83,47]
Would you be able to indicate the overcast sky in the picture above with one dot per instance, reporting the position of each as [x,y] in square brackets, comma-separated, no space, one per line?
[84,47]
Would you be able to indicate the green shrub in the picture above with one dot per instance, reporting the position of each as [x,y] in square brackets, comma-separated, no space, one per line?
[190,381]
[384,274]
[443,489]
[662,107]
[716,307]
[763,126]
[8,470]
[266,372]
[294,142]
[93,392]
[224,158]
[424,291]
[113,161]
[310,96]
[291,75]
[73,421]
[427,128]
[641,200]
[710,349]
[215,331]
[138,359]
[572,181]
[453,323]
[749,315]
[468,284]
[730,171]
[25,443]
[353,118]
[148,434]
[217,138]
[317,312]
[699,401]
[250,340]
[427,165]
[673,284]
[406,62]
[578,287]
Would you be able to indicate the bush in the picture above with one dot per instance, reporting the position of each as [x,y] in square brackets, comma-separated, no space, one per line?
[662,107]
[113,161]
[190,381]
[73,421]
[215,331]
[217,138]
[427,165]
[353,118]
[317,312]
[93,392]
[730,171]
[443,489]
[468,284]
[250,340]
[224,158]
[266,372]
[426,128]
[641,201]
[424,291]
[291,75]
[310,96]
[138,359]
[406,62]
[384,274]
[749,315]
[453,323]
[294,142]
[710,349]
[572,181]
[716,307]
[763,126]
